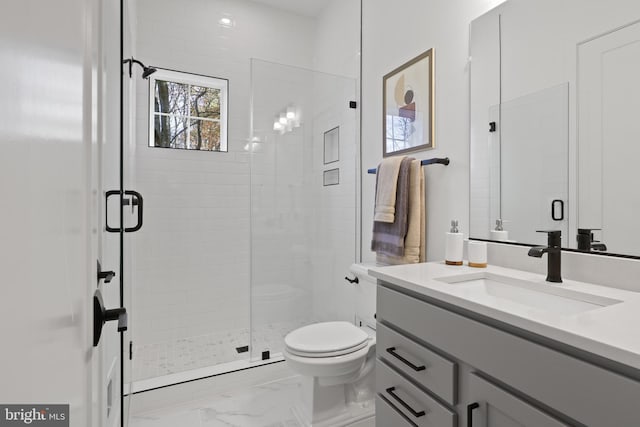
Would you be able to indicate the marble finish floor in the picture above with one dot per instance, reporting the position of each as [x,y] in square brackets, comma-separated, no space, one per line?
[185,354]
[266,405]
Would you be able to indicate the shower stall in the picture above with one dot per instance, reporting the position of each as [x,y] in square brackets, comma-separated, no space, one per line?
[238,250]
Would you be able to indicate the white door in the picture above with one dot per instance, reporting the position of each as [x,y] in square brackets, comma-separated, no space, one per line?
[609,137]
[52,120]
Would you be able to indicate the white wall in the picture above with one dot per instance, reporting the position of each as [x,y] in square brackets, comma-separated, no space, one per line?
[392,36]
[337,39]
[192,256]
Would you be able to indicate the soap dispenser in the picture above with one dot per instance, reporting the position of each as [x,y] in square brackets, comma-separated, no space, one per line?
[454,245]
[499,234]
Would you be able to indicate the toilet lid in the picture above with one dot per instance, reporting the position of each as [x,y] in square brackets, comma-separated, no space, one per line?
[326,339]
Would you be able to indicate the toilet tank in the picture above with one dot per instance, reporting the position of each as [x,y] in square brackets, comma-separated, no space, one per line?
[365,295]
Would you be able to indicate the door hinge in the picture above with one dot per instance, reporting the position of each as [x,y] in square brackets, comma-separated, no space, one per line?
[130,350]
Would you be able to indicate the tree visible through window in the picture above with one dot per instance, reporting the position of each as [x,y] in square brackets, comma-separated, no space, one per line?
[188,111]
[399,130]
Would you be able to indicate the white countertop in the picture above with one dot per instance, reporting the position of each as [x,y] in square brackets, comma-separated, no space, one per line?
[612,332]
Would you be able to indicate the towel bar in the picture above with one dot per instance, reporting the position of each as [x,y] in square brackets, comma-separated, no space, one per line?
[441,161]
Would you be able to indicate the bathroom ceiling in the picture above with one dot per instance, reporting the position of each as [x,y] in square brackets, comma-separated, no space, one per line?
[302,7]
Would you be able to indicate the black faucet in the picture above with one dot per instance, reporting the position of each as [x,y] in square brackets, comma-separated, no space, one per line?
[586,242]
[553,251]
[596,246]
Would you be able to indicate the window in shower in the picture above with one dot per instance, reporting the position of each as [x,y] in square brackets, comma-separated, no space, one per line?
[187,111]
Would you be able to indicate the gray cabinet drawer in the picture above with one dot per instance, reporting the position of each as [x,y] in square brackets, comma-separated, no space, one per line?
[589,394]
[412,402]
[419,363]
[388,416]
[499,408]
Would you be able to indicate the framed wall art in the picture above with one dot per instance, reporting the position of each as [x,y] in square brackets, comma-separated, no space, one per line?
[332,145]
[408,106]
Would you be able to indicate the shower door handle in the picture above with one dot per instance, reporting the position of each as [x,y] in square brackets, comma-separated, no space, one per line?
[106,211]
[136,200]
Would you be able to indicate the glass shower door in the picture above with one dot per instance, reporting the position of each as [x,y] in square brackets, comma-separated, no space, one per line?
[303,200]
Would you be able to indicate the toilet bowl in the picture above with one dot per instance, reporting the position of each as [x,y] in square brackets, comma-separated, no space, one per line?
[336,363]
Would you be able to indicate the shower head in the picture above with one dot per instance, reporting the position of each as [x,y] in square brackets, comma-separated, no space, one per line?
[146,71]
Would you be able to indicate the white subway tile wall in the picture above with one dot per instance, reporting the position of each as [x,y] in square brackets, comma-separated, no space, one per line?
[191,258]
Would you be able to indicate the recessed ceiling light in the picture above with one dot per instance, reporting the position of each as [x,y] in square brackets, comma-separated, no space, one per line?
[226,22]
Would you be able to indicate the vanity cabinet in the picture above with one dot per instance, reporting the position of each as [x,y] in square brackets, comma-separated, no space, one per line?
[388,415]
[416,405]
[422,365]
[437,359]
[491,406]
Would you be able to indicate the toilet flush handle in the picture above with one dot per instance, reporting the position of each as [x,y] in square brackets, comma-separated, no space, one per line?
[352,280]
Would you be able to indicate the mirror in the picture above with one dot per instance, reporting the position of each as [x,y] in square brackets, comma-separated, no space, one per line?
[554,108]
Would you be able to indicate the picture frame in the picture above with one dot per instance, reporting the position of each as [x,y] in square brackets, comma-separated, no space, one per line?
[408,106]
[332,145]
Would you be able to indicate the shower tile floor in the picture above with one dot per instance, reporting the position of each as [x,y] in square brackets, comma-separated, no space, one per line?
[184,354]
[266,405]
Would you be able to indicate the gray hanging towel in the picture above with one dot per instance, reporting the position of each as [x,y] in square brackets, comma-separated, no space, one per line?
[388,238]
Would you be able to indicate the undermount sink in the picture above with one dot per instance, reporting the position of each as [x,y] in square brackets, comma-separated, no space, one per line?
[537,295]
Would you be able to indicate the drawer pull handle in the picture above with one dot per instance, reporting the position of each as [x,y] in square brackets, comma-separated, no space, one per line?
[392,351]
[470,409]
[416,414]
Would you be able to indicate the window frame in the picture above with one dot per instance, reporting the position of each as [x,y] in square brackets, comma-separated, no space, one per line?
[191,79]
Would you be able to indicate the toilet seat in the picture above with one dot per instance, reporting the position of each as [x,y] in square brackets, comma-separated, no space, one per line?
[326,339]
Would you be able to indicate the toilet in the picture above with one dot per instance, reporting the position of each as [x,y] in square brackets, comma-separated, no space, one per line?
[336,361]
